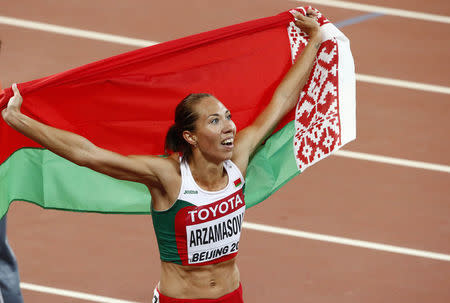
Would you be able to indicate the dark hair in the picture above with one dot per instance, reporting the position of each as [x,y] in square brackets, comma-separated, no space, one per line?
[185,118]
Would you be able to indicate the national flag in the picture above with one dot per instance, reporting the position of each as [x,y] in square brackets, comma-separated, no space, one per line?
[237,182]
[126,104]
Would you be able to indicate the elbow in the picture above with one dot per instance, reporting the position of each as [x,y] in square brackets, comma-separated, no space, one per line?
[82,160]
[284,100]
[78,157]
[281,93]
[85,155]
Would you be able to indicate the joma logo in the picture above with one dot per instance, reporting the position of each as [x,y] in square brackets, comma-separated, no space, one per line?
[190,192]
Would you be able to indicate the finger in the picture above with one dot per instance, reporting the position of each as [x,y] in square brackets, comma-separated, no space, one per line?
[299,22]
[300,17]
[310,11]
[15,89]
[13,100]
[296,14]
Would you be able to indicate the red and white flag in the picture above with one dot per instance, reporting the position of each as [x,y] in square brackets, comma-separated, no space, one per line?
[126,104]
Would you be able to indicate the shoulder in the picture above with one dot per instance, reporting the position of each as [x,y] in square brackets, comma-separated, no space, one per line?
[168,172]
[161,169]
[162,165]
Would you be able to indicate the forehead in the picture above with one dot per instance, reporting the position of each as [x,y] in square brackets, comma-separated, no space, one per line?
[209,106]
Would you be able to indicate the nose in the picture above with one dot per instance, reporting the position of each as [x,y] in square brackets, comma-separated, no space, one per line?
[229,127]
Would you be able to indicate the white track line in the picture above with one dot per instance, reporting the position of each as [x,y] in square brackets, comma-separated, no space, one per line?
[69,31]
[143,43]
[379,9]
[346,241]
[403,84]
[261,228]
[71,294]
[393,161]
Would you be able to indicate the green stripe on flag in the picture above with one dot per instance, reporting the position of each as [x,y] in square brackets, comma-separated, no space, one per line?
[271,167]
[39,176]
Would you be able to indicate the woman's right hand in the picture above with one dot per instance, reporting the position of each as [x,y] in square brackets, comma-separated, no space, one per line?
[14,104]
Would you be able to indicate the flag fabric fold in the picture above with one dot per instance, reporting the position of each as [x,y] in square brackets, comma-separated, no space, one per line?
[126,104]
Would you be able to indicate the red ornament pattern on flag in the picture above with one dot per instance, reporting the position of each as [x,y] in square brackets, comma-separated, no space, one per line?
[317,122]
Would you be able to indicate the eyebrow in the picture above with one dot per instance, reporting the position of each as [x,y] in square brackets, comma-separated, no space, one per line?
[217,115]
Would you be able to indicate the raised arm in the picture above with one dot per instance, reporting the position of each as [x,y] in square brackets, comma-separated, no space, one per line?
[284,97]
[80,150]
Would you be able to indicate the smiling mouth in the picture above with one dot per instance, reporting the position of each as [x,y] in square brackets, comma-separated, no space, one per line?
[228,142]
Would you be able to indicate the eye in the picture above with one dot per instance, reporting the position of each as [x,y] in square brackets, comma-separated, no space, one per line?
[214,121]
[229,116]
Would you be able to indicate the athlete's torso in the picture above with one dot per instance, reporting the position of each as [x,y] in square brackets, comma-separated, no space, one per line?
[202,227]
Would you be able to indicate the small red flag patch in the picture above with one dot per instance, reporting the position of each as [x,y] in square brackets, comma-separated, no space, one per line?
[237,182]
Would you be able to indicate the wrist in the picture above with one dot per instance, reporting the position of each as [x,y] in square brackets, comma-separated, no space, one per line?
[316,36]
[11,116]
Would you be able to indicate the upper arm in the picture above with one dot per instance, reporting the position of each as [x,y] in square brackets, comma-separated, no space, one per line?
[248,139]
[143,169]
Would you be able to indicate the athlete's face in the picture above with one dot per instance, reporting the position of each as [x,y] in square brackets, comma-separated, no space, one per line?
[215,130]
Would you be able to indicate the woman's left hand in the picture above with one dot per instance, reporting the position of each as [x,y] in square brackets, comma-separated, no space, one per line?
[308,23]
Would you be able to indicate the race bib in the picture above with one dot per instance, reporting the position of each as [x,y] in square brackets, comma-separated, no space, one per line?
[214,230]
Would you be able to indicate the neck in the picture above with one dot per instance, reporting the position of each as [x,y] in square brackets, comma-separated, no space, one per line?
[210,175]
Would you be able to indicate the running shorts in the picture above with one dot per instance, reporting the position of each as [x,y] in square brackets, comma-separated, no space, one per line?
[232,297]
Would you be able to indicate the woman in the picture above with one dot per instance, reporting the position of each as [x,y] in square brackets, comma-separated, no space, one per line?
[197,201]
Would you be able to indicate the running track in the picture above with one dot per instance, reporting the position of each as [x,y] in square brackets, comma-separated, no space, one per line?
[116,255]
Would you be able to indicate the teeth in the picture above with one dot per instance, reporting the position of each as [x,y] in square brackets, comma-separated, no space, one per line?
[228,141]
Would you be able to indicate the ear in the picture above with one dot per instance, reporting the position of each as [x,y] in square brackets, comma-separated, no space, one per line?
[190,138]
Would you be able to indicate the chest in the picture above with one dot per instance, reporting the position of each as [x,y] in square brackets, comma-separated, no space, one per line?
[209,232]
